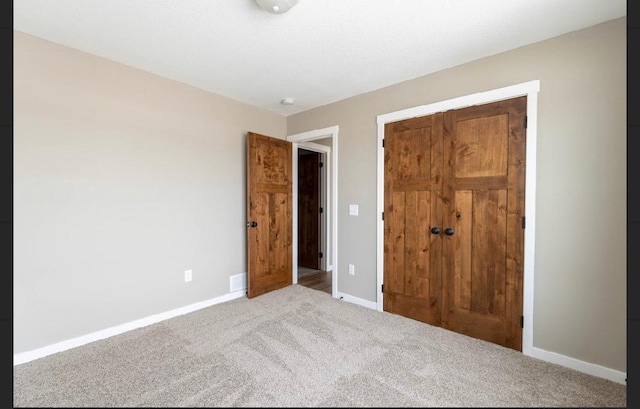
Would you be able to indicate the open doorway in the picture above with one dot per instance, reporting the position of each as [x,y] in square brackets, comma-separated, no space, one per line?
[322,144]
[312,271]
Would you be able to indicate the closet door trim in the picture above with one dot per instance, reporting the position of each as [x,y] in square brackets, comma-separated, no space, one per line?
[529,89]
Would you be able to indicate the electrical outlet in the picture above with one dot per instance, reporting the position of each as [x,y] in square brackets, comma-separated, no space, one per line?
[187,275]
[352,269]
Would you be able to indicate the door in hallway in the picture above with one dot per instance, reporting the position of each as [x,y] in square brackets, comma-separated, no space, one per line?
[308,209]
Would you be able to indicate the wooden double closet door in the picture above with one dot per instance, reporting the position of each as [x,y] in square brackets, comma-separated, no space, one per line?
[454,186]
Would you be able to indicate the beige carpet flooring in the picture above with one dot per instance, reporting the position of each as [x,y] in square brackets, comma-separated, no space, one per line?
[298,347]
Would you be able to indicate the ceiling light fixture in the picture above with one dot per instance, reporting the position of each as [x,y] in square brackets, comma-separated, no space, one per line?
[277,6]
[287,101]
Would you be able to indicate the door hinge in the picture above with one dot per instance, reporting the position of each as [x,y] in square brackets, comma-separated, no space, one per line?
[382,215]
[321,210]
[321,164]
[320,255]
[383,142]
[524,222]
[522,321]
[382,288]
[525,122]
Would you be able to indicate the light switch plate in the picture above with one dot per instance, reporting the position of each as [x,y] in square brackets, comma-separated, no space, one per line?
[353,210]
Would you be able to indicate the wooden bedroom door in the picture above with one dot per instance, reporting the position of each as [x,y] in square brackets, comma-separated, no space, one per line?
[479,244]
[269,214]
[308,209]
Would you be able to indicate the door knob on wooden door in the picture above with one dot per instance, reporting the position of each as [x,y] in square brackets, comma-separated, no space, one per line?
[435,230]
[449,231]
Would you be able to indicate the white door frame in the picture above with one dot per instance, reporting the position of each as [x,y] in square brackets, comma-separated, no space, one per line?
[303,140]
[530,89]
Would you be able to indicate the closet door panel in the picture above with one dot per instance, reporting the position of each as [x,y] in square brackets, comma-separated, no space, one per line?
[453,228]
[412,254]
[484,192]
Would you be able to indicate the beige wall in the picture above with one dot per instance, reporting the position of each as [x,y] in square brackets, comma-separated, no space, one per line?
[122,180]
[580,246]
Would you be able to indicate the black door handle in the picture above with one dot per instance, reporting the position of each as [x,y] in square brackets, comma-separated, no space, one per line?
[449,231]
[252,224]
[435,230]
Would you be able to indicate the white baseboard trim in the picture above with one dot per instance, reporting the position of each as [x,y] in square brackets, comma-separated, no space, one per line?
[582,366]
[552,357]
[356,300]
[24,357]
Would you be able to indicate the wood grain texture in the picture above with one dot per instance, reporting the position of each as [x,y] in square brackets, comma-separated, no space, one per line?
[320,280]
[483,284]
[412,257]
[269,201]
[462,169]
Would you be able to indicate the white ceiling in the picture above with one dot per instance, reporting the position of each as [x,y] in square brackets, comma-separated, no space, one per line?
[321,51]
